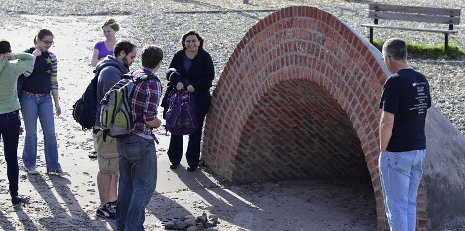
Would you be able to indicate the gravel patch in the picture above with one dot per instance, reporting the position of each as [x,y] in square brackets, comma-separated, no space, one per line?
[224,22]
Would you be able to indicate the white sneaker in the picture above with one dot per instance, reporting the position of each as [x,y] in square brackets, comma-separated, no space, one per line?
[32,171]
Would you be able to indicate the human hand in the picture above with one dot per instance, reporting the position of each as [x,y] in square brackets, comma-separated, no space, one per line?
[190,88]
[57,109]
[157,123]
[36,52]
[179,86]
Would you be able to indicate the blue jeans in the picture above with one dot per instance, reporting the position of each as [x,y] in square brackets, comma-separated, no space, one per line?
[400,174]
[9,131]
[33,107]
[137,180]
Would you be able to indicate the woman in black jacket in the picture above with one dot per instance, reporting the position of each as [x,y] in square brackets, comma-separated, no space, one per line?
[196,70]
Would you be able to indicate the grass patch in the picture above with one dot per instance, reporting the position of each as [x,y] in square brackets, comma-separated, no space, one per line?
[426,51]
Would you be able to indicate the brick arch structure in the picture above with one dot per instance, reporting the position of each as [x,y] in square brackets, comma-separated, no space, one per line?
[299,98]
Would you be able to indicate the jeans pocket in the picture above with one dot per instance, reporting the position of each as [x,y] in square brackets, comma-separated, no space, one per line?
[134,150]
[401,163]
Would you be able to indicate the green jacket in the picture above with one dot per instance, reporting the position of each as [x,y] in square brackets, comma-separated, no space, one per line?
[10,70]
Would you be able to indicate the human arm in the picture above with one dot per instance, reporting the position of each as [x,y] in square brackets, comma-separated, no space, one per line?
[390,105]
[3,61]
[94,60]
[108,77]
[54,87]
[206,77]
[25,64]
[385,129]
[175,79]
[153,93]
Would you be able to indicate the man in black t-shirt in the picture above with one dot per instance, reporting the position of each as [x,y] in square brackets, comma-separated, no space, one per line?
[404,102]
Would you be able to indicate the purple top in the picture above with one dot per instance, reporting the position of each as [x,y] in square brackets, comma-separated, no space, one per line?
[102,50]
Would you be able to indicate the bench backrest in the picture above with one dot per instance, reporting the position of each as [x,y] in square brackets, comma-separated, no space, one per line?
[414,13]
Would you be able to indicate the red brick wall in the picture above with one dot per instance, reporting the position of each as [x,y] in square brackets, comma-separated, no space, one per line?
[298,99]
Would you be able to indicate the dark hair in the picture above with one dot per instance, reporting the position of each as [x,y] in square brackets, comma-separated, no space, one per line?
[123,45]
[5,46]
[151,56]
[41,35]
[191,32]
[395,48]
[112,24]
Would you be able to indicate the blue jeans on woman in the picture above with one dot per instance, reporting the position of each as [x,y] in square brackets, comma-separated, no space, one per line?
[9,131]
[33,107]
[400,174]
[137,180]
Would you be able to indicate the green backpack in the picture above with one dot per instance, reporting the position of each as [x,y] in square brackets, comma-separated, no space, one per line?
[116,118]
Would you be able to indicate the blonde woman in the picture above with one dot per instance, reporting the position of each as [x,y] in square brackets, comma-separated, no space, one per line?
[101,50]
[105,47]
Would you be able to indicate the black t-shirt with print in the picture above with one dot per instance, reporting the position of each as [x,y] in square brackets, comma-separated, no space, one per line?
[406,95]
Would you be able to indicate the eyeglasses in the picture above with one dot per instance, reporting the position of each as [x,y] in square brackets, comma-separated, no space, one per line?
[47,42]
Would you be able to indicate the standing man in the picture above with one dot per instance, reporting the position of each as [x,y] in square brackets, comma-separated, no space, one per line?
[137,153]
[110,71]
[404,102]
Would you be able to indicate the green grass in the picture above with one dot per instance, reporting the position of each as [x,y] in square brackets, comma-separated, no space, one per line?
[427,51]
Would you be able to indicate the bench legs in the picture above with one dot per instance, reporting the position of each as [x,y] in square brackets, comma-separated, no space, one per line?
[446,43]
[371,35]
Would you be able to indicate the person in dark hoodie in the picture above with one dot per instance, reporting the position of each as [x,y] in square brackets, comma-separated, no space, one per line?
[111,68]
[196,70]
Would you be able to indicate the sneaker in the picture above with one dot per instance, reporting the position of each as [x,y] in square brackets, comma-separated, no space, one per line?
[32,171]
[113,204]
[106,211]
[57,172]
[92,154]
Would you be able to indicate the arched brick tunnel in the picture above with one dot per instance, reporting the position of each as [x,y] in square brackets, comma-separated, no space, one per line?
[298,99]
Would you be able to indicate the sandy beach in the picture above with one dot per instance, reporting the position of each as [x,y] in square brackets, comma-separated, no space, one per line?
[70,202]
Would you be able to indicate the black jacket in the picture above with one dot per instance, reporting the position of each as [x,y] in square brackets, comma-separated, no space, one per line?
[200,76]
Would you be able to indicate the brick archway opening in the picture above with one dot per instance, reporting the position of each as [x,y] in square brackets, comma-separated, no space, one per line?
[299,131]
[299,98]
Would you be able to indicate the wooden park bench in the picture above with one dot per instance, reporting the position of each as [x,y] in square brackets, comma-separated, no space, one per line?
[438,16]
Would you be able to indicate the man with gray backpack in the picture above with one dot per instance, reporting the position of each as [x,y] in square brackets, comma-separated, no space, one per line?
[107,177]
[129,113]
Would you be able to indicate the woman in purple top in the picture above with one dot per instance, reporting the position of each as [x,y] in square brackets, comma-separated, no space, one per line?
[102,49]
[105,47]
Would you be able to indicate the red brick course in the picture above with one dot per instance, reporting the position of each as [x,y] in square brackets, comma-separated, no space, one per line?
[299,99]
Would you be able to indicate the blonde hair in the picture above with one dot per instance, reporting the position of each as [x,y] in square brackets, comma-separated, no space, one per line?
[111,23]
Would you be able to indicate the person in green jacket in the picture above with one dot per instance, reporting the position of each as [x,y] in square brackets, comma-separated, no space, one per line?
[12,65]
